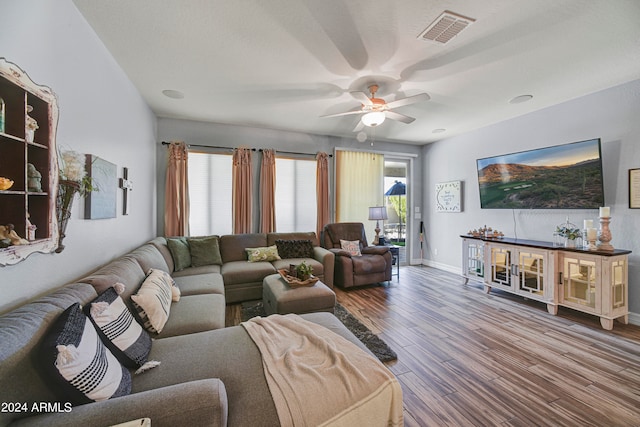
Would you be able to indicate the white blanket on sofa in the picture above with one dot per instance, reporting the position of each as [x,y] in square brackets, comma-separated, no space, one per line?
[318,378]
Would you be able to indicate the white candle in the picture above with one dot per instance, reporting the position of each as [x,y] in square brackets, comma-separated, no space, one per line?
[592,233]
[605,212]
[588,223]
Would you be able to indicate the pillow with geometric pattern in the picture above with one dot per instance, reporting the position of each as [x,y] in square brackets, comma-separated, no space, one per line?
[78,364]
[353,247]
[119,331]
[289,249]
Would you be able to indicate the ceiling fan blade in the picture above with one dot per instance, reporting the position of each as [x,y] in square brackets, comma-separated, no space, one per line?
[346,113]
[359,126]
[421,97]
[399,117]
[362,97]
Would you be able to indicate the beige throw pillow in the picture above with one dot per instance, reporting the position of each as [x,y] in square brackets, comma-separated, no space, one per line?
[153,300]
[353,247]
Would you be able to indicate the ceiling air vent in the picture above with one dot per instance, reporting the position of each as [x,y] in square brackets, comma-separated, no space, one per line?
[445,27]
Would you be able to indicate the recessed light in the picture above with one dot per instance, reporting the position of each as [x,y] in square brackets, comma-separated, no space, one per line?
[438,130]
[175,94]
[520,99]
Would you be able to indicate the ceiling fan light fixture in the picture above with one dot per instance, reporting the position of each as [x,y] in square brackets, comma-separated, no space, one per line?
[373,119]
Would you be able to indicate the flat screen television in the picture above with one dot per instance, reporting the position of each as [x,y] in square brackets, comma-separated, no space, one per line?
[565,176]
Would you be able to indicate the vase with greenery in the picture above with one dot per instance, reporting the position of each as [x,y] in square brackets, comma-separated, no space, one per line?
[73,180]
[570,233]
[304,271]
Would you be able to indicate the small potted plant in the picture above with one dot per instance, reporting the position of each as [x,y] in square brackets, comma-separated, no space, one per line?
[570,232]
[304,271]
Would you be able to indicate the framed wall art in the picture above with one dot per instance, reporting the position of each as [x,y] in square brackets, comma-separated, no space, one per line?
[448,196]
[101,204]
[634,188]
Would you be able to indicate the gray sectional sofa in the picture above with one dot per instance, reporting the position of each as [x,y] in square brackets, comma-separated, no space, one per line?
[209,375]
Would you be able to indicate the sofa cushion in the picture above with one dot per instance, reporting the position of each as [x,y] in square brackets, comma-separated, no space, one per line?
[160,243]
[194,313]
[205,283]
[125,270]
[119,331]
[148,256]
[204,251]
[268,253]
[195,271]
[294,248]
[179,248]
[232,246]
[80,367]
[353,247]
[239,272]
[153,300]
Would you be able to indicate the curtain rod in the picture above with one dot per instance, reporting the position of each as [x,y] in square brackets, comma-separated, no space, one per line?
[252,149]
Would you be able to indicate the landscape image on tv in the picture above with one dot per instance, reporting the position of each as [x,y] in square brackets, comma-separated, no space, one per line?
[560,177]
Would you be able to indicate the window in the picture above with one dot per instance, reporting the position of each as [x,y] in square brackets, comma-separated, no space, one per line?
[210,194]
[296,202]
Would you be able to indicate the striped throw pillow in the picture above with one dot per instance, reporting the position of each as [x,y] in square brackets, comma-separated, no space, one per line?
[153,300]
[119,331]
[79,365]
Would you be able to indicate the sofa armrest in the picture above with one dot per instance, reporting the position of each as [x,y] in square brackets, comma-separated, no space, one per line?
[201,403]
[327,258]
[340,252]
[375,250]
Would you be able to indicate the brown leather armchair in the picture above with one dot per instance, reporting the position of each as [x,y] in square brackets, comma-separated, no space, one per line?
[373,266]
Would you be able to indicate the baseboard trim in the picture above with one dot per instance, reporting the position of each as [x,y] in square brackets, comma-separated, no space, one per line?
[634,318]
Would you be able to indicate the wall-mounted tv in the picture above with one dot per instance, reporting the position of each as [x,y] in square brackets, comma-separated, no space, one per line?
[565,176]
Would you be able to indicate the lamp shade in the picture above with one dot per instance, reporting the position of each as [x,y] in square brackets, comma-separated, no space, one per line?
[374,118]
[378,213]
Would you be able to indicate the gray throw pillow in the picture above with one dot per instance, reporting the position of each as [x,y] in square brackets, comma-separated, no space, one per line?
[204,251]
[180,252]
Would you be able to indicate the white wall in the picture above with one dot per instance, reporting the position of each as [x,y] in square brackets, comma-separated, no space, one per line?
[101,113]
[611,115]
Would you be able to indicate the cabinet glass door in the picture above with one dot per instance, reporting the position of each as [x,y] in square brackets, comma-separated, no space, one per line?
[531,273]
[501,266]
[618,284]
[579,281]
[475,259]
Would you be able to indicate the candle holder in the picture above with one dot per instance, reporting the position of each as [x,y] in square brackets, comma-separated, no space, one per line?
[604,234]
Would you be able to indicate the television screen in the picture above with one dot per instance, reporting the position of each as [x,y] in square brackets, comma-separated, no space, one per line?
[565,176]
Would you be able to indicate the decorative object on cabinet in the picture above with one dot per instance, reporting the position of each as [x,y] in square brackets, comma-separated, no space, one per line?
[5,183]
[566,235]
[126,185]
[604,233]
[31,125]
[101,204]
[1,115]
[486,232]
[73,180]
[634,188]
[448,196]
[25,203]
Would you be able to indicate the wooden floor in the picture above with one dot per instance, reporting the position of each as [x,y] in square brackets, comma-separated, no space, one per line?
[466,358]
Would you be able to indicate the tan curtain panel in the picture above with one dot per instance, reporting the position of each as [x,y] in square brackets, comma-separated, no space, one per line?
[322,191]
[176,201]
[242,190]
[268,192]
[359,185]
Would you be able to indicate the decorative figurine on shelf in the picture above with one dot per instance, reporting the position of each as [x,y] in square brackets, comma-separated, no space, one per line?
[34,179]
[7,232]
[31,230]
[30,126]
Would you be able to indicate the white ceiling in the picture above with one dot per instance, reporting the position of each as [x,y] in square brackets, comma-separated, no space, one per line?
[282,64]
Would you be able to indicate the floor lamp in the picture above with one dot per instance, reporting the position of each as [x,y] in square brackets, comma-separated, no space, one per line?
[377,213]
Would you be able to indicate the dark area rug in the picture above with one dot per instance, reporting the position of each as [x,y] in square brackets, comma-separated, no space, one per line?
[368,338]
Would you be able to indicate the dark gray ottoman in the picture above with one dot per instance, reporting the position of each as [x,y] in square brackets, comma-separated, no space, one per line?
[279,297]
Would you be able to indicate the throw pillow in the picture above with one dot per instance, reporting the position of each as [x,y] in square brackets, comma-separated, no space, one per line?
[80,367]
[153,300]
[204,251]
[353,247]
[288,249]
[269,253]
[119,331]
[179,248]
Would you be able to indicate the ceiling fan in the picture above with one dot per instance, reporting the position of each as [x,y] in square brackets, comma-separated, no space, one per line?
[376,110]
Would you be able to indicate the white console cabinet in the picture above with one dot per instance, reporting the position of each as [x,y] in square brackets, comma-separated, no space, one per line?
[594,282]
